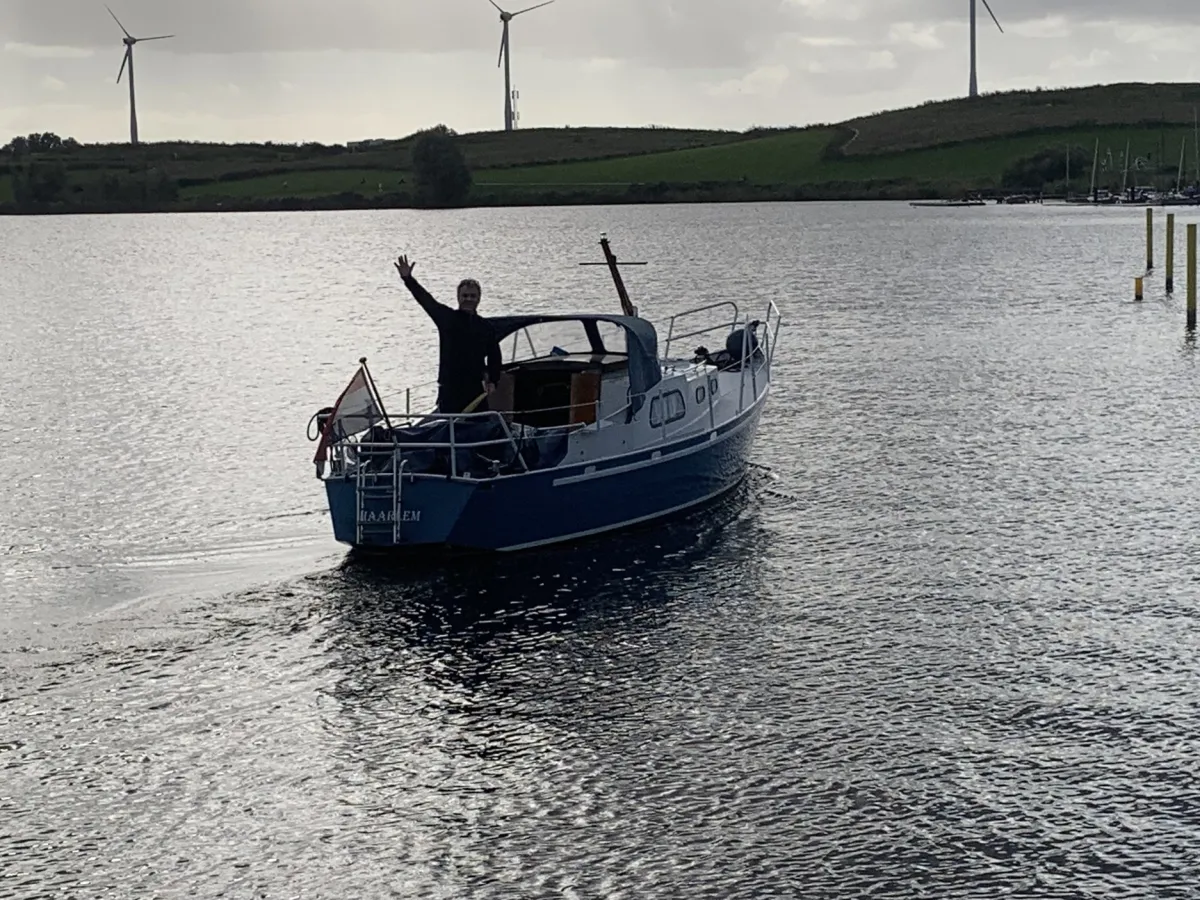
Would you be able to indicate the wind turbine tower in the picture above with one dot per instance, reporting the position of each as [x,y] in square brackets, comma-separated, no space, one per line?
[974,90]
[505,18]
[129,40]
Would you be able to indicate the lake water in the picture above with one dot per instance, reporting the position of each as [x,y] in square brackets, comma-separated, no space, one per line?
[943,641]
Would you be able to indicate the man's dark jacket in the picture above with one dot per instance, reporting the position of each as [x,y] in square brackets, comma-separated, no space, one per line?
[465,342]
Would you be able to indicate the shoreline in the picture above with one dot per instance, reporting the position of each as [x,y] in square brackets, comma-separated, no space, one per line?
[644,196]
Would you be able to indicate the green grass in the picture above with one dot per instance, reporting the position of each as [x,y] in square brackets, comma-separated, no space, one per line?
[304,184]
[1016,112]
[796,159]
[786,158]
[483,150]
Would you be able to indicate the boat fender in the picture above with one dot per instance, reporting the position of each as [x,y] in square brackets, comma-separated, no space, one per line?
[320,418]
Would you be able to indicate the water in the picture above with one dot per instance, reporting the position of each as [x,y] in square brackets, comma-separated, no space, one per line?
[941,643]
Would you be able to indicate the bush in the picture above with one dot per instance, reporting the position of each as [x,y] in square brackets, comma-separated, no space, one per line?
[441,176]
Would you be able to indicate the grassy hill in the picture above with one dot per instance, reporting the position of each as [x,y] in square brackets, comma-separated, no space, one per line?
[1010,141]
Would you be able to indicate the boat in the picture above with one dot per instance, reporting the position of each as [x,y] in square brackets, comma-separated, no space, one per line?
[577,440]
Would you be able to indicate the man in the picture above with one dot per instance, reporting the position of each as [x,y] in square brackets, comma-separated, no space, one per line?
[469,356]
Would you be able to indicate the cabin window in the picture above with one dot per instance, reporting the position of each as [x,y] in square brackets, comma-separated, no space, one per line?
[712,386]
[675,406]
[700,394]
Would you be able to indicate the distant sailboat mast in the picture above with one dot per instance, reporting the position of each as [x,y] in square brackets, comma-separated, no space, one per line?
[1067,190]
[1095,164]
[1125,173]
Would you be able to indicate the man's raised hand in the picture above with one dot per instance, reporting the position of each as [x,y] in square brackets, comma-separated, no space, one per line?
[404,267]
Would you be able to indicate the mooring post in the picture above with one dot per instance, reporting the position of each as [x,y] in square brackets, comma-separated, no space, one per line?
[1191,276]
[1170,253]
[1137,288]
[1149,238]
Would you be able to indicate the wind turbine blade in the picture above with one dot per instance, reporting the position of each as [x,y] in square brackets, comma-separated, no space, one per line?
[503,42]
[493,2]
[124,59]
[990,13]
[118,21]
[531,8]
[161,37]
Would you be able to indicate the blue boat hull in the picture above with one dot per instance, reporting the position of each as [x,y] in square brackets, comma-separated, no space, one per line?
[546,507]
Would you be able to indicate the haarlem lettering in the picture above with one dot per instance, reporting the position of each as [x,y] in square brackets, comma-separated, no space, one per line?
[389,515]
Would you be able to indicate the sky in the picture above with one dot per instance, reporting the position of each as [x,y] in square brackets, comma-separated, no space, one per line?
[345,70]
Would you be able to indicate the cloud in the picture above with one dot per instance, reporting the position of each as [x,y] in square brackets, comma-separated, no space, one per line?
[314,69]
[667,32]
[46,51]
[881,59]
[830,41]
[1093,60]
[50,83]
[601,64]
[765,81]
[908,33]
[1046,27]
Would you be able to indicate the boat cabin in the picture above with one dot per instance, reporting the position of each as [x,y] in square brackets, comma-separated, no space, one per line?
[579,385]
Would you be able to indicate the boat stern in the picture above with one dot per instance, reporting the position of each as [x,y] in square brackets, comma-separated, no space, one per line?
[422,512]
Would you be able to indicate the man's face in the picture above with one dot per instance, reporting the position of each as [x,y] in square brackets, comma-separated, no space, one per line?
[468,298]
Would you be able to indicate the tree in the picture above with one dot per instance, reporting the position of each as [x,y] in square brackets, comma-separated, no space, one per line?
[18,147]
[39,184]
[49,142]
[440,173]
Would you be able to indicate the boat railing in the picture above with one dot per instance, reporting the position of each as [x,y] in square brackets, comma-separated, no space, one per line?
[368,448]
[727,326]
[766,346]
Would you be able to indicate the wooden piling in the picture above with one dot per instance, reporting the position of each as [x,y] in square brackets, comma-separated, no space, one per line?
[1191,277]
[1137,288]
[1170,253]
[1149,238]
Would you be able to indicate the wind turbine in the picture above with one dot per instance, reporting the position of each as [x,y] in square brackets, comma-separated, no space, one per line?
[507,17]
[974,79]
[129,40]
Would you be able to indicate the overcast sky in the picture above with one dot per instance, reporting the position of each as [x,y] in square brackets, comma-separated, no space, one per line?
[338,70]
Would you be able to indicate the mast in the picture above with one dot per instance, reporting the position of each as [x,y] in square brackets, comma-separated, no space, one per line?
[1179,177]
[1125,173]
[1095,163]
[610,260]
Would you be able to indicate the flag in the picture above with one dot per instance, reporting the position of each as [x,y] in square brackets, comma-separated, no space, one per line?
[357,409]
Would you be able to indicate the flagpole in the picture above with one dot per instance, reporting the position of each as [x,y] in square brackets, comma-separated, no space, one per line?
[374,391]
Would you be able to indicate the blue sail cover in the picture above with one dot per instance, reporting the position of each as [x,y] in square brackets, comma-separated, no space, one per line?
[641,345]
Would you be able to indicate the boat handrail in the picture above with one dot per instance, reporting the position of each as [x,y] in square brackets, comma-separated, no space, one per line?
[671,336]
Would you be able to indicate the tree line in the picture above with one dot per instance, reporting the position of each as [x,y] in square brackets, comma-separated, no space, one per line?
[44,181]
